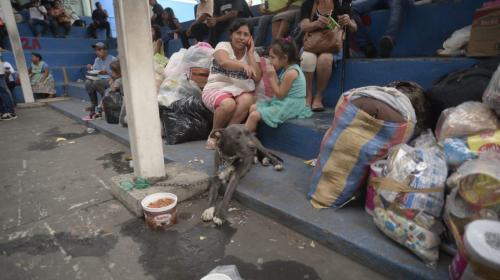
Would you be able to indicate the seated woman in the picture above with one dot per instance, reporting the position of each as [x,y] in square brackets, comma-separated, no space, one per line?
[157,41]
[319,11]
[58,17]
[169,20]
[42,81]
[229,91]
[289,91]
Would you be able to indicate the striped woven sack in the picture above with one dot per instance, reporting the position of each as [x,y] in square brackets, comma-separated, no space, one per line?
[354,141]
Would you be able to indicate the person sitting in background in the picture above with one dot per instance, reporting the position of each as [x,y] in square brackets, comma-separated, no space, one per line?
[398,10]
[289,99]
[10,76]
[3,34]
[6,102]
[117,86]
[284,13]
[199,28]
[225,12]
[42,81]
[38,17]
[99,83]
[58,17]
[157,41]
[230,87]
[169,20]
[99,20]
[157,11]
[73,16]
[321,63]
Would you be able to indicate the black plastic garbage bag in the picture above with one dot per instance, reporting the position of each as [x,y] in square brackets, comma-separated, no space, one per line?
[112,104]
[186,120]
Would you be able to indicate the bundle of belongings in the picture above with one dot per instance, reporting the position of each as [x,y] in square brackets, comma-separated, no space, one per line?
[439,192]
[183,115]
[367,122]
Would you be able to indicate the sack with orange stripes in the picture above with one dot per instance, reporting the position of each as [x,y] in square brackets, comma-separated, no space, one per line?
[360,135]
[409,199]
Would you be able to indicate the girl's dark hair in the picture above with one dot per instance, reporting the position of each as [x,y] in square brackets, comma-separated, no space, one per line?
[170,12]
[37,55]
[157,30]
[115,66]
[239,23]
[287,47]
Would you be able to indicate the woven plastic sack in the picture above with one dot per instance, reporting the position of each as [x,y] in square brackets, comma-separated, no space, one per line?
[354,141]
[491,96]
[469,118]
[417,98]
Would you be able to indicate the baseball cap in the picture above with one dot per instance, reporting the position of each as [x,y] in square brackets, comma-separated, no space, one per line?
[99,45]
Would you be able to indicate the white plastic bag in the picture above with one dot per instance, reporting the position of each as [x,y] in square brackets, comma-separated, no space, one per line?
[454,46]
[468,118]
[410,197]
[184,88]
[199,55]
[491,96]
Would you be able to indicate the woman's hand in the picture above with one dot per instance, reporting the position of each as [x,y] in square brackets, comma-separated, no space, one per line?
[89,67]
[344,20]
[249,71]
[211,21]
[321,22]
[251,46]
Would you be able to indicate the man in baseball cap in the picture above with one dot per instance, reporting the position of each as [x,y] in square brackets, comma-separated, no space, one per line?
[99,76]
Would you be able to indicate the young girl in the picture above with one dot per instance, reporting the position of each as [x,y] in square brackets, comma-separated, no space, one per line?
[289,88]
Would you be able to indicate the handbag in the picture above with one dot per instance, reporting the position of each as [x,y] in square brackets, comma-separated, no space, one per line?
[324,40]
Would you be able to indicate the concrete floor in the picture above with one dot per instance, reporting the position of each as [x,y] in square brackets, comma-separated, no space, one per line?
[59,220]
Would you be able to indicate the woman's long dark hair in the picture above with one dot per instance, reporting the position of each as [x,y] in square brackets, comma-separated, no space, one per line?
[170,12]
[239,23]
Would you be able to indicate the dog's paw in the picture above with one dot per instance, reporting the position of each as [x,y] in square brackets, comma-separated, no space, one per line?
[208,214]
[278,167]
[218,221]
[266,161]
[255,160]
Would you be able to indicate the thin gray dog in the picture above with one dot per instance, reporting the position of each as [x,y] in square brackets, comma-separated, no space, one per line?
[236,151]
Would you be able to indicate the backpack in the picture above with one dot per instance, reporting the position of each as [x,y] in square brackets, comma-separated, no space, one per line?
[460,86]
[112,105]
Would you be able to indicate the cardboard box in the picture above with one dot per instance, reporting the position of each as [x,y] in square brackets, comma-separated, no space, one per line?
[485,33]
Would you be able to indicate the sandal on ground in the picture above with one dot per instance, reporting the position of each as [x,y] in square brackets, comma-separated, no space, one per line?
[318,109]
[211,144]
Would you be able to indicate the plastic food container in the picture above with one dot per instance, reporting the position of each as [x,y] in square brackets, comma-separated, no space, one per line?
[161,217]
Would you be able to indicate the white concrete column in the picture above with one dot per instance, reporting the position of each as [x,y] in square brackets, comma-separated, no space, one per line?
[135,50]
[17,49]
[87,8]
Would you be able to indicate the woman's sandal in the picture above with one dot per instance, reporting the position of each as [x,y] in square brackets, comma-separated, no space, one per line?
[211,144]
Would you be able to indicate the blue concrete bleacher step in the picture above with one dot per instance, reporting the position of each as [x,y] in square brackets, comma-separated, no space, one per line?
[60,44]
[59,58]
[75,32]
[425,27]
[282,195]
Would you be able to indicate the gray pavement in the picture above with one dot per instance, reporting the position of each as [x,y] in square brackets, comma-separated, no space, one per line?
[59,220]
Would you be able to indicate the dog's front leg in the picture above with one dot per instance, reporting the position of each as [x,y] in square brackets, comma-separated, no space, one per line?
[215,184]
[221,210]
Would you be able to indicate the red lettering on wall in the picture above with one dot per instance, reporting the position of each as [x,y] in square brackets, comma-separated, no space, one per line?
[33,45]
[36,44]
[26,44]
